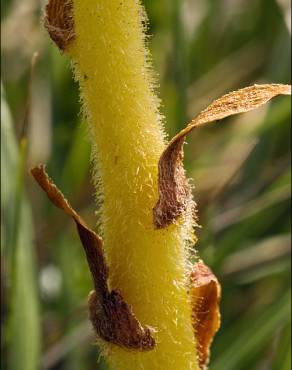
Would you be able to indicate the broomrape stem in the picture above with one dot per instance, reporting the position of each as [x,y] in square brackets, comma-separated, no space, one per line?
[148,266]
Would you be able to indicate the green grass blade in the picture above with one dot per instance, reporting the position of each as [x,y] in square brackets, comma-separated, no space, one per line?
[251,334]
[23,329]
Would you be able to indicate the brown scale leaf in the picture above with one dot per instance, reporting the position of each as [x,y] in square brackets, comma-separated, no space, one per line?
[111,317]
[59,22]
[205,292]
[174,190]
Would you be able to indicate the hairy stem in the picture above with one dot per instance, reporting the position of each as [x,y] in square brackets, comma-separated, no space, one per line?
[148,266]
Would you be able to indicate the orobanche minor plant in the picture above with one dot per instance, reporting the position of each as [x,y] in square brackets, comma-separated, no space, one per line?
[150,308]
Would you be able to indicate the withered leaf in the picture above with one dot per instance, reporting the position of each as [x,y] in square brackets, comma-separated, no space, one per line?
[205,292]
[174,190]
[59,22]
[111,317]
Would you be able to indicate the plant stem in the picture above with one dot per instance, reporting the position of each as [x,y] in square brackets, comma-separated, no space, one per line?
[148,266]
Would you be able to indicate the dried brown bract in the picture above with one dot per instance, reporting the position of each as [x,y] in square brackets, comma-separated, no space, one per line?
[111,316]
[205,294]
[59,22]
[174,190]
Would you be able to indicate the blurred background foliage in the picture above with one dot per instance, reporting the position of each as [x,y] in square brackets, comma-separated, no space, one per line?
[240,168]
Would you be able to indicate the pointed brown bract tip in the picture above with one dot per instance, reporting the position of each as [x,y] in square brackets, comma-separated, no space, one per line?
[174,190]
[59,22]
[111,317]
[205,292]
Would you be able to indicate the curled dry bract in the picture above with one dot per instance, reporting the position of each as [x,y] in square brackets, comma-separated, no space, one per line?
[111,317]
[205,293]
[174,190]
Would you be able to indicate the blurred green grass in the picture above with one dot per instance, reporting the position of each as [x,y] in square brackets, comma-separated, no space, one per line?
[240,169]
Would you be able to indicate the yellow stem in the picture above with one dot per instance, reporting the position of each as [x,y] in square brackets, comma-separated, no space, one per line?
[148,266]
